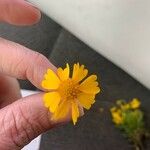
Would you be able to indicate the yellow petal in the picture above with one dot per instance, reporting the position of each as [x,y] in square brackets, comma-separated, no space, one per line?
[117,118]
[90,85]
[62,110]
[75,112]
[125,107]
[79,72]
[51,100]
[63,74]
[135,103]
[86,100]
[51,80]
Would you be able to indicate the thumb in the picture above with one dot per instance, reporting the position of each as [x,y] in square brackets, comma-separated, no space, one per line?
[24,120]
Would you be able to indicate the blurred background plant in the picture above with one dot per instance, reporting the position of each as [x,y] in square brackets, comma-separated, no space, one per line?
[129,118]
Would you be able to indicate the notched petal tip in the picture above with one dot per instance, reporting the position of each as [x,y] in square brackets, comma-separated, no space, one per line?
[63,74]
[51,80]
[85,72]
[79,72]
[94,77]
[90,85]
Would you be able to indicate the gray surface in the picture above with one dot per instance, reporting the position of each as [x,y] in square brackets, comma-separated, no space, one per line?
[95,130]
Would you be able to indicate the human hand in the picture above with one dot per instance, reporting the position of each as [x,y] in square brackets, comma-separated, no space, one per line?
[21,119]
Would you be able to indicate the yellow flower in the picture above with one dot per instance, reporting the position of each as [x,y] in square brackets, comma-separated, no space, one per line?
[117,117]
[135,103]
[125,106]
[67,93]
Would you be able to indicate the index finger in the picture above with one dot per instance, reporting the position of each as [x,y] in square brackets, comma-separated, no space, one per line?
[18,12]
[22,63]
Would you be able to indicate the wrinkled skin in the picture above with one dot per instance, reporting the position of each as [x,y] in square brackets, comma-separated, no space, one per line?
[21,119]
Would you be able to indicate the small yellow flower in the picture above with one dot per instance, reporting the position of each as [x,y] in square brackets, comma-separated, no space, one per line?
[117,118]
[68,92]
[135,103]
[116,115]
[125,106]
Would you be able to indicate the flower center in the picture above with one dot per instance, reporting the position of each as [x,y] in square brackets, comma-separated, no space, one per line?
[68,89]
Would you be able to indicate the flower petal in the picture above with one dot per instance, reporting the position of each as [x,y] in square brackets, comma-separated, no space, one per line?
[117,118]
[135,103]
[51,100]
[62,110]
[75,112]
[51,80]
[86,100]
[79,72]
[63,74]
[90,85]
